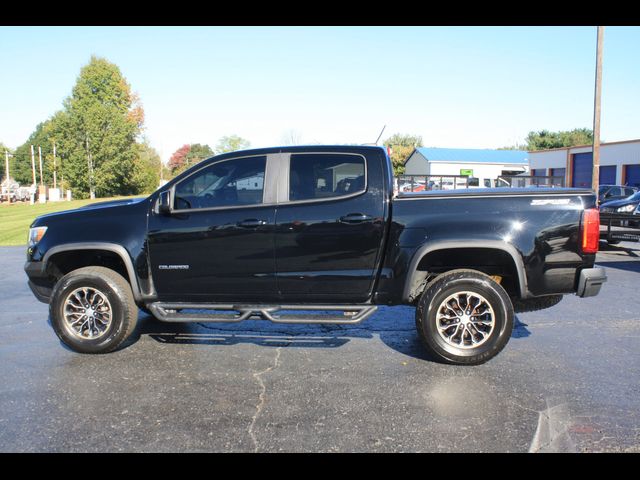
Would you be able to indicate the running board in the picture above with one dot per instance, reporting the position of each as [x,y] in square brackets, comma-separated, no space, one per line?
[193,312]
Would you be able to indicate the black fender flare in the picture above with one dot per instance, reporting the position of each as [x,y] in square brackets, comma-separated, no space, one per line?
[111,247]
[453,244]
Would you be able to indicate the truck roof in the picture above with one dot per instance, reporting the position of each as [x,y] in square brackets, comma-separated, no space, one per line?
[304,148]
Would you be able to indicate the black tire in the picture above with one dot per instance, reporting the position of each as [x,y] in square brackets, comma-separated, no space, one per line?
[533,304]
[452,283]
[113,287]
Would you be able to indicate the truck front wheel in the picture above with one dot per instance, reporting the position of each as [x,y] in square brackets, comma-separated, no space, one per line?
[464,317]
[92,310]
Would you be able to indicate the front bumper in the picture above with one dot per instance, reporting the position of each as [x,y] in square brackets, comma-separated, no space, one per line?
[39,282]
[590,281]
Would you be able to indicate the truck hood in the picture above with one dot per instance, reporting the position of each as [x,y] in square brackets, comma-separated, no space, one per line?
[113,203]
[89,210]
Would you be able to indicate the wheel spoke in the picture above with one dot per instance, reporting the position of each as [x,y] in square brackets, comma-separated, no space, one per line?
[455,332]
[75,322]
[474,333]
[449,307]
[475,307]
[458,304]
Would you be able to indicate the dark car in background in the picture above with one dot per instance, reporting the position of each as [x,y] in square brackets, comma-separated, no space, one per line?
[620,220]
[607,193]
[627,205]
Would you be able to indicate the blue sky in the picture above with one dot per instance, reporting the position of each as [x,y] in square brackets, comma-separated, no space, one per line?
[467,87]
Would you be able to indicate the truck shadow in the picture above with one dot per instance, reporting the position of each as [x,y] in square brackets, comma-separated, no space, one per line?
[394,326]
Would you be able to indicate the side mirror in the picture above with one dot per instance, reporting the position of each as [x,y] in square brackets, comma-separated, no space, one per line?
[164,203]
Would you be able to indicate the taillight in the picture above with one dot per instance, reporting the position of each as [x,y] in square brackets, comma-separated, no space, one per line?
[590,230]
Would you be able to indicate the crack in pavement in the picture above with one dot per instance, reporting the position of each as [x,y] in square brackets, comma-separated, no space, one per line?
[262,397]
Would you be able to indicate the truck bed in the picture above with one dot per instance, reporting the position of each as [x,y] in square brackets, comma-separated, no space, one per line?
[493,192]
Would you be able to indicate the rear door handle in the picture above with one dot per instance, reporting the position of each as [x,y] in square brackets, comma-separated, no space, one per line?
[356,218]
[251,223]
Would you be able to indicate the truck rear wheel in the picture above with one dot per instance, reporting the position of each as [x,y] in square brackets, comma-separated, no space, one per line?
[92,310]
[464,317]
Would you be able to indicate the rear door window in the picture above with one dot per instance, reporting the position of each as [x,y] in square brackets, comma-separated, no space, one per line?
[325,175]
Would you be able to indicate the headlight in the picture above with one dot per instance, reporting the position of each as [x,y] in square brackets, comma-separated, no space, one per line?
[35,235]
[626,209]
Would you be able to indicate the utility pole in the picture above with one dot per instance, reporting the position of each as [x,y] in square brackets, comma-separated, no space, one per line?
[40,161]
[54,165]
[33,166]
[6,159]
[596,112]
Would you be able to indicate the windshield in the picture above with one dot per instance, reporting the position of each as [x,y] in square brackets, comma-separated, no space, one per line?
[635,196]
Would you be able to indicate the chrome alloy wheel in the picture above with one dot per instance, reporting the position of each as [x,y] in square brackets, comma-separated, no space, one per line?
[87,313]
[465,320]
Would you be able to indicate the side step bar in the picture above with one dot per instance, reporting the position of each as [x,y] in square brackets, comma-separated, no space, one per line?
[216,312]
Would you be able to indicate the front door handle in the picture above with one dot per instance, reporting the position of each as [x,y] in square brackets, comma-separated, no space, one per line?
[356,218]
[251,223]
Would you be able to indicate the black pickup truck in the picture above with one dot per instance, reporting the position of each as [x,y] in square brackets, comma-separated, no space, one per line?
[314,235]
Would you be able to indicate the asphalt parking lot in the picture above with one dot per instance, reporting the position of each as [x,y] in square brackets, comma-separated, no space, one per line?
[568,381]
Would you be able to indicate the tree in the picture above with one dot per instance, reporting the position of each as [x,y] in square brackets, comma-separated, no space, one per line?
[147,165]
[53,132]
[187,156]
[197,153]
[231,144]
[95,138]
[292,137]
[179,158]
[401,145]
[544,139]
[97,132]
[43,136]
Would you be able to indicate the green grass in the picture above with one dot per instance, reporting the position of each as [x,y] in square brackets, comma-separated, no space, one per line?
[15,218]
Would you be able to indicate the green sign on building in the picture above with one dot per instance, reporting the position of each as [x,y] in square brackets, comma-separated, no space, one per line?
[466,171]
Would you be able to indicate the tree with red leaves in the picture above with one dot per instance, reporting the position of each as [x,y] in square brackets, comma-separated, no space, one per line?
[179,157]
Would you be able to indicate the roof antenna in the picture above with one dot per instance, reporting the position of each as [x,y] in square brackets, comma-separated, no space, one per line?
[380,135]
